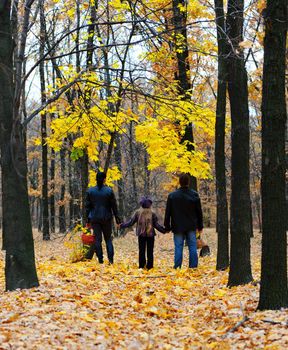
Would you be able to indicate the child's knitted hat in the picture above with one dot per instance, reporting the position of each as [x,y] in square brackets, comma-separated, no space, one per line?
[145,202]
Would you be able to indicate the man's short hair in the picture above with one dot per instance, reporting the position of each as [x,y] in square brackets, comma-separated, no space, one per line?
[184,180]
[100,178]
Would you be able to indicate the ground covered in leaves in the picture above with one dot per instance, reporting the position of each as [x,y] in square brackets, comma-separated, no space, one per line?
[85,305]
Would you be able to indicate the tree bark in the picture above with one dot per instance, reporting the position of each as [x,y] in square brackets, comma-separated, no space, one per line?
[87,98]
[70,186]
[120,182]
[20,54]
[84,184]
[45,199]
[220,169]
[132,166]
[52,195]
[146,174]
[183,71]
[20,271]
[62,215]
[240,218]
[273,287]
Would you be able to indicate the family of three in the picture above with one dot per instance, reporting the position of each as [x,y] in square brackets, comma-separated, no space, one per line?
[183,216]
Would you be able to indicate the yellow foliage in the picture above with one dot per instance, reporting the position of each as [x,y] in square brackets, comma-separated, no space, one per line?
[113,174]
[37,141]
[162,138]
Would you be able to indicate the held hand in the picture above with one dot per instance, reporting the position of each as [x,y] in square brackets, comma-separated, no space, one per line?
[122,232]
[199,232]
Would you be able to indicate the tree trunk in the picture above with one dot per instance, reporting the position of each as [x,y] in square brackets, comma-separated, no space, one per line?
[273,287]
[52,195]
[132,167]
[39,214]
[76,175]
[84,185]
[70,186]
[220,169]
[62,216]
[146,175]
[183,71]
[240,218]
[87,97]
[120,183]
[20,54]
[20,271]
[45,199]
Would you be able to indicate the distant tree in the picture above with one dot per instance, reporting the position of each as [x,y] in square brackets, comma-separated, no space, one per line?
[62,212]
[273,287]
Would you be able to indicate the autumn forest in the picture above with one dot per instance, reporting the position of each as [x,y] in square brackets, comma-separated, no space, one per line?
[143,91]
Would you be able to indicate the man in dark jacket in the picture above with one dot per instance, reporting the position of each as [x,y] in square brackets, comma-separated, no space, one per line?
[184,216]
[100,207]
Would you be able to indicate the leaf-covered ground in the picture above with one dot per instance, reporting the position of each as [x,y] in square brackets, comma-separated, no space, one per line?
[85,305]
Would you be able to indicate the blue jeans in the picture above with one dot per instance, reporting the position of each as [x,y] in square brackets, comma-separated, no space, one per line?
[104,229]
[179,239]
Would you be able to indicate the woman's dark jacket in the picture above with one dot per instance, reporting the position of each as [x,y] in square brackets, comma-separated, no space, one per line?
[183,211]
[134,220]
[101,204]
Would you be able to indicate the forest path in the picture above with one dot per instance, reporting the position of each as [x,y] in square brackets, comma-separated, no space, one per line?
[87,305]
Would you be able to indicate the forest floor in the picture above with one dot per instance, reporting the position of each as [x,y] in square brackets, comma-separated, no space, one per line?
[85,305]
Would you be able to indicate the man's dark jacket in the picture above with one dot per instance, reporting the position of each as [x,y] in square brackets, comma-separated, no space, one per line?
[101,204]
[183,211]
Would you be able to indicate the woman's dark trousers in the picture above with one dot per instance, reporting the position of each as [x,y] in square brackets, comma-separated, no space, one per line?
[100,230]
[146,242]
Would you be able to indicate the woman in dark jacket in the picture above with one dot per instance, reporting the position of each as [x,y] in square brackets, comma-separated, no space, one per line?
[146,222]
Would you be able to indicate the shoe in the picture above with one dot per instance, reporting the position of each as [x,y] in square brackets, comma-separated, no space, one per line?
[205,251]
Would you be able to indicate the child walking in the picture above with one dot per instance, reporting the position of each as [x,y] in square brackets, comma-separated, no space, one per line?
[146,222]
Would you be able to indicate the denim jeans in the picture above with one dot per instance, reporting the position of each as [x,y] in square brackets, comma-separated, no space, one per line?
[103,229]
[179,239]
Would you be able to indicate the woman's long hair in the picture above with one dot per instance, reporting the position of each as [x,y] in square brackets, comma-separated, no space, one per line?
[145,220]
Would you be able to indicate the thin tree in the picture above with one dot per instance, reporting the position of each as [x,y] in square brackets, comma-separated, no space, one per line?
[222,226]
[273,287]
[20,271]
[44,147]
[52,188]
[87,99]
[183,68]
[62,213]
[240,218]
